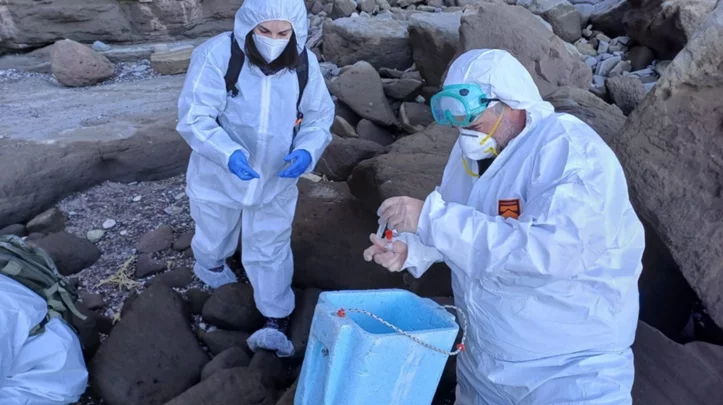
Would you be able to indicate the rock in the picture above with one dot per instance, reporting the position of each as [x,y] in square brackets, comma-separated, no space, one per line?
[230,358]
[585,11]
[434,39]
[87,330]
[183,242]
[495,26]
[607,16]
[289,395]
[343,8]
[403,89]
[16,229]
[157,240]
[626,92]
[232,307]
[273,372]
[640,57]
[95,235]
[331,229]
[368,6]
[146,266]
[317,7]
[76,65]
[156,366]
[412,166]
[668,373]
[415,117]
[622,67]
[50,221]
[665,156]
[665,26]
[343,154]
[69,253]
[343,111]
[197,299]
[238,386]
[369,131]
[377,41]
[219,340]
[109,223]
[342,128]
[99,46]
[361,89]
[178,278]
[564,19]
[172,62]
[135,146]
[605,119]
[413,75]
[606,66]
[585,48]
[666,299]
[302,317]
[386,73]
[92,301]
[112,21]
[35,236]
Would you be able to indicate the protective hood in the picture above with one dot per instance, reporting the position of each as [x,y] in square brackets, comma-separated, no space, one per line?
[501,76]
[254,12]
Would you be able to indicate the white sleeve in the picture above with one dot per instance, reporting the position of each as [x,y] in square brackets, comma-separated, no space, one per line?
[318,108]
[202,99]
[574,207]
[419,256]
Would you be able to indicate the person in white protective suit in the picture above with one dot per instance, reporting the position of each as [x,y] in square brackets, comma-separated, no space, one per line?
[43,369]
[544,245]
[248,152]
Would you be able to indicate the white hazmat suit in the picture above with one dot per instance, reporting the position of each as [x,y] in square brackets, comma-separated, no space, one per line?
[259,122]
[550,288]
[44,369]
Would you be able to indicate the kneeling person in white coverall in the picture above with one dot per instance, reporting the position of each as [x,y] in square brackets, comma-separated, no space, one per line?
[249,150]
[544,245]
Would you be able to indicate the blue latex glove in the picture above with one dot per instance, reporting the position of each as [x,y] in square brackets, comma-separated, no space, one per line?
[239,165]
[301,161]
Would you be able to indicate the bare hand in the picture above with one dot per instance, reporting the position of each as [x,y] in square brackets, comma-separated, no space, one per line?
[401,213]
[392,261]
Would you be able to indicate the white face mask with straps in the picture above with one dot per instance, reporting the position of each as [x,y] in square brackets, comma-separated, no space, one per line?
[270,48]
[478,145]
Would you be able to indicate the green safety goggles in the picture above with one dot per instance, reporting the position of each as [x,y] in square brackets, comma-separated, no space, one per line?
[459,104]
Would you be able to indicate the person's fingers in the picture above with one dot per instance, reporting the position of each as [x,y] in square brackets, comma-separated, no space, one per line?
[369,253]
[379,242]
[388,203]
[383,258]
[399,247]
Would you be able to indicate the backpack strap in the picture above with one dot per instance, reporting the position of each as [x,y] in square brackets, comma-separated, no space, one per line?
[302,75]
[235,63]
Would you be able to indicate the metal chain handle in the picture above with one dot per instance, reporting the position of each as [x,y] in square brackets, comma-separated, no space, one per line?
[460,347]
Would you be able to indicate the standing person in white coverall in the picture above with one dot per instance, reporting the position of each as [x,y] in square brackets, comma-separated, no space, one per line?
[544,246]
[249,151]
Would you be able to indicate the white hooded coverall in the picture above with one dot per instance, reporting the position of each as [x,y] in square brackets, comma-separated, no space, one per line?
[43,369]
[259,122]
[551,295]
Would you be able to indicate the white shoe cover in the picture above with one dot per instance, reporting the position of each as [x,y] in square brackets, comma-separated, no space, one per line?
[215,279]
[272,340]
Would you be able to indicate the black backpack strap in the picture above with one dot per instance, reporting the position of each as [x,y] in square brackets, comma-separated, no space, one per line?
[234,67]
[302,75]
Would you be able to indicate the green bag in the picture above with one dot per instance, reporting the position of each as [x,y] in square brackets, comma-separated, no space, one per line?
[33,268]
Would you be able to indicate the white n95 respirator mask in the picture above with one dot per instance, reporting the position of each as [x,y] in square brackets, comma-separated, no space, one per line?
[270,48]
[478,145]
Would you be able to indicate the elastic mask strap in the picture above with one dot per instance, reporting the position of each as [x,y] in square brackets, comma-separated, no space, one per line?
[494,128]
[467,169]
